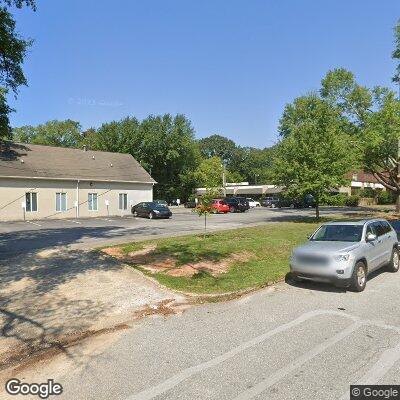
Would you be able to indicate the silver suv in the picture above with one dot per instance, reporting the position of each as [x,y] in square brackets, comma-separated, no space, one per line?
[344,253]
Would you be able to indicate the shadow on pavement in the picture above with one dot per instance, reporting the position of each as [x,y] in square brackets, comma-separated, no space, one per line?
[326,287]
[35,307]
[28,240]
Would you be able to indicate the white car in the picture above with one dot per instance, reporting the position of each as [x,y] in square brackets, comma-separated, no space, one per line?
[253,203]
[345,253]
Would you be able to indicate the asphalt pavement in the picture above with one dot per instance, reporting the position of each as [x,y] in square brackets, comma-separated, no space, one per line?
[308,341]
[286,342]
[25,236]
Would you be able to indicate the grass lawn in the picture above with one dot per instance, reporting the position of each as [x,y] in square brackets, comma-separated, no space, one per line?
[267,249]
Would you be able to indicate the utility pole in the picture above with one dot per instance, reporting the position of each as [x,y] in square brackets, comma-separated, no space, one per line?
[224,178]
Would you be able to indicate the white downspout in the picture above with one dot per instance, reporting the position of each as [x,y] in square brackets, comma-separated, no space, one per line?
[77,198]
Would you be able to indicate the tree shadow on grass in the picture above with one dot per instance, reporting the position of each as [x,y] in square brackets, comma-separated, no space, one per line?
[186,254]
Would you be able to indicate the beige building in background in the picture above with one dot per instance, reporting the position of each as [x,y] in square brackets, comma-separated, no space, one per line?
[39,182]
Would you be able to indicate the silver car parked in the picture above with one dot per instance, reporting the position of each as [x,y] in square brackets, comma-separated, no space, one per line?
[344,253]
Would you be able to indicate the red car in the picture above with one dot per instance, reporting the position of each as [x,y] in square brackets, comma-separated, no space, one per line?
[220,206]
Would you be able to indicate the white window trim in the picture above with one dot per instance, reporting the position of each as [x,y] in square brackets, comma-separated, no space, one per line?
[66,202]
[97,202]
[123,209]
[37,202]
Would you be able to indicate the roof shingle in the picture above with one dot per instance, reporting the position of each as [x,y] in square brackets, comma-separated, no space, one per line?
[38,161]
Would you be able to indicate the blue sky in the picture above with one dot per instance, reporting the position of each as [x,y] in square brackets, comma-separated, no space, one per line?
[230,66]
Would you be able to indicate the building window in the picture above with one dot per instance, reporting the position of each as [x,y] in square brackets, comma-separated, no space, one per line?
[31,202]
[92,202]
[123,201]
[61,201]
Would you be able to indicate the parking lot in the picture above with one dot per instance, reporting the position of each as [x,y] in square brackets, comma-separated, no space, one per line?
[25,236]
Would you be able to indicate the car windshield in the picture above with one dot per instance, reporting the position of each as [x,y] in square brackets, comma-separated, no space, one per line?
[338,233]
[160,207]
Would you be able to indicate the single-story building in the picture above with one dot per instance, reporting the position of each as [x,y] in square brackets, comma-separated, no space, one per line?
[361,180]
[245,190]
[39,182]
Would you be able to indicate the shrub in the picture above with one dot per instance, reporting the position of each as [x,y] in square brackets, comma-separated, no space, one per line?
[352,201]
[337,200]
[368,193]
[386,197]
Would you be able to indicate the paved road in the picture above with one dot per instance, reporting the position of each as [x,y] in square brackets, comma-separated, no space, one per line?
[20,237]
[287,342]
[308,342]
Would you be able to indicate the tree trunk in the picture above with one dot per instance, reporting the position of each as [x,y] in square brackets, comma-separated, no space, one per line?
[317,211]
[398,202]
[205,225]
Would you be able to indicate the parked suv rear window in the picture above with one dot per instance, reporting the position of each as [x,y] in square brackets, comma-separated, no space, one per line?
[338,233]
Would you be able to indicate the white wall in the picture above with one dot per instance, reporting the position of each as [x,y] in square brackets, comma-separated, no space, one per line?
[12,194]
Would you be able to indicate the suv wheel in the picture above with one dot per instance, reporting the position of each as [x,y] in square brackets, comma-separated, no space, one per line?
[359,277]
[151,215]
[232,209]
[394,261]
[135,214]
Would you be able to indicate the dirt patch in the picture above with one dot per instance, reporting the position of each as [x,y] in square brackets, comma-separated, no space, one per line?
[184,270]
[165,307]
[114,252]
[152,261]
[22,357]
[19,285]
[214,268]
[55,300]
[47,253]
[146,258]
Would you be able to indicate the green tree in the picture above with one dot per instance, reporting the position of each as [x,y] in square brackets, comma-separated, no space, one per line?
[13,49]
[122,136]
[209,173]
[5,110]
[54,133]
[19,3]
[217,146]
[164,145]
[396,52]
[252,165]
[313,155]
[372,119]
[206,207]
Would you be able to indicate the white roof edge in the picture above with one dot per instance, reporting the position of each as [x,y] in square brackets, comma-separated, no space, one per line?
[75,179]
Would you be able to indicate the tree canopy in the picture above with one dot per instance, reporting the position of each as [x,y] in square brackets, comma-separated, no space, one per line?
[164,145]
[217,146]
[13,49]
[54,133]
[372,119]
[313,155]
[396,52]
[19,3]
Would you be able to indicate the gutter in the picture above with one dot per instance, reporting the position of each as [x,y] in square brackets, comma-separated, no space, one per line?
[74,179]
